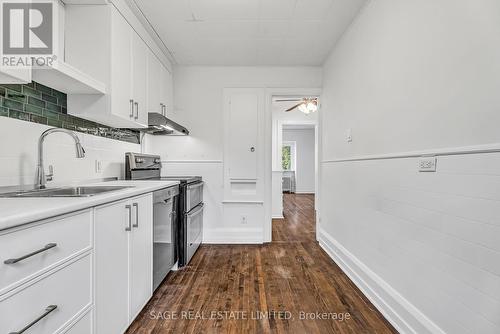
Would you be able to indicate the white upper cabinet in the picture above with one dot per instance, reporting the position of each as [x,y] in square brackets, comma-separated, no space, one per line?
[159,86]
[139,79]
[121,76]
[167,90]
[111,50]
[56,73]
[14,76]
[154,84]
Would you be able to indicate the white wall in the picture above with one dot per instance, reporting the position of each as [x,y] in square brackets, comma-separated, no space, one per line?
[411,76]
[198,96]
[305,158]
[18,154]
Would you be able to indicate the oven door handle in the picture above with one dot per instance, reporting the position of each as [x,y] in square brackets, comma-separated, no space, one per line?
[194,186]
[195,212]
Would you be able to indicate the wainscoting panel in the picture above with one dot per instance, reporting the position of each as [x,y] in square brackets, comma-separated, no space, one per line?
[433,239]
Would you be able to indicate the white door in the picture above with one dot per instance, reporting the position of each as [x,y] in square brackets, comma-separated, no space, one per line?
[141,254]
[139,79]
[242,127]
[154,83]
[121,66]
[112,267]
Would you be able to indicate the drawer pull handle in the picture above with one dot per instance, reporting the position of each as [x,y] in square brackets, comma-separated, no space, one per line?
[131,108]
[136,206]
[45,248]
[48,310]
[129,223]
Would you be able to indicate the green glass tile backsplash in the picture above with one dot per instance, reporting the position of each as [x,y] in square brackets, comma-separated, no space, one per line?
[37,103]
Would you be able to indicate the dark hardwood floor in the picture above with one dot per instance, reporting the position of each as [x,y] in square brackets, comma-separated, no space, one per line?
[267,288]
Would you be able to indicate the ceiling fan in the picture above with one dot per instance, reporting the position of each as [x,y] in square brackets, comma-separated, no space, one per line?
[306,105]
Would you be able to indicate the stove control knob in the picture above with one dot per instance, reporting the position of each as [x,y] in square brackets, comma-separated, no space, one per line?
[157,161]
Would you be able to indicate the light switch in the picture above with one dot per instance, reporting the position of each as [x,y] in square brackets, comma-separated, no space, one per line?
[427,164]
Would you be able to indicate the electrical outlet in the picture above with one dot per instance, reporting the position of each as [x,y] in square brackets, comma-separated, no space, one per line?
[98,166]
[427,164]
[348,135]
[244,220]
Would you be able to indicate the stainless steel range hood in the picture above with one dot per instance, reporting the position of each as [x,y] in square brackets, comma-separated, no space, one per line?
[160,125]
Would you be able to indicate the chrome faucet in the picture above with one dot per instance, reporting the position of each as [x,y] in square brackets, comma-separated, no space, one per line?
[40,174]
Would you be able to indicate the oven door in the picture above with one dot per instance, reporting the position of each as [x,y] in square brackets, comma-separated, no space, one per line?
[194,231]
[164,237]
[194,195]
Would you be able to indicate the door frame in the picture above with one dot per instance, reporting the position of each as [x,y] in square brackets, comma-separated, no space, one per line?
[270,92]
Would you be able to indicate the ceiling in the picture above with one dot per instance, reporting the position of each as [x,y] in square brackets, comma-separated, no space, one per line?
[249,32]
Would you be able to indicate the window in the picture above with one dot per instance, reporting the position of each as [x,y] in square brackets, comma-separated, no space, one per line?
[288,156]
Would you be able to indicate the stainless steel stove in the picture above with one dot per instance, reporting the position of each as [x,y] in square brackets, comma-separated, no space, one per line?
[189,224]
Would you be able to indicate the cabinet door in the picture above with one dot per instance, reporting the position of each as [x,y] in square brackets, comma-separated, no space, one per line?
[121,66]
[141,253]
[166,89]
[112,267]
[139,79]
[154,83]
[242,132]
[15,75]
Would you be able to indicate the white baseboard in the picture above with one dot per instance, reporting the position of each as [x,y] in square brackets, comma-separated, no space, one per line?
[304,192]
[403,315]
[278,217]
[233,236]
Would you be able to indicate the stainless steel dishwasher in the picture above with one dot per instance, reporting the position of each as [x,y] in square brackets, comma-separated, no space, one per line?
[165,203]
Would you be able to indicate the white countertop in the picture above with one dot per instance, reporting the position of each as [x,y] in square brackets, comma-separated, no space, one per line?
[19,211]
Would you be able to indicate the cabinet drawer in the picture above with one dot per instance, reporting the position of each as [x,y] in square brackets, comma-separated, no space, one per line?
[56,241]
[194,195]
[194,225]
[83,326]
[69,289]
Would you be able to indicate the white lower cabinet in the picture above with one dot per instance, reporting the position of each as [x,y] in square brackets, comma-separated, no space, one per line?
[83,326]
[141,254]
[48,244]
[82,273]
[60,296]
[124,255]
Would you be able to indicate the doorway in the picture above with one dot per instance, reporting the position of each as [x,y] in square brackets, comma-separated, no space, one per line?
[294,156]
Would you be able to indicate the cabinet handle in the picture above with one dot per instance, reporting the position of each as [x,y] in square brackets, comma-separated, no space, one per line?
[45,248]
[129,225]
[136,104]
[131,108]
[136,206]
[49,309]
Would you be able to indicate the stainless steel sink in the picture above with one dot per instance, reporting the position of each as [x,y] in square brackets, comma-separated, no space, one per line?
[65,192]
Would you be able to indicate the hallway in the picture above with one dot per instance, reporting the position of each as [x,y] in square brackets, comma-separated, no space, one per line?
[229,288]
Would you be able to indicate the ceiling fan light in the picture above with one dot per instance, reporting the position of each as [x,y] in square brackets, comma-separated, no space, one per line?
[303,108]
[311,106]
